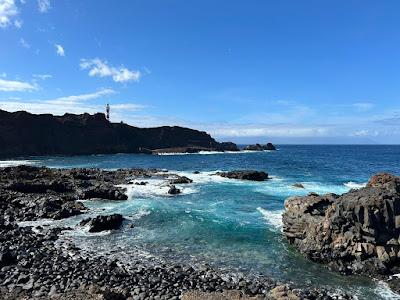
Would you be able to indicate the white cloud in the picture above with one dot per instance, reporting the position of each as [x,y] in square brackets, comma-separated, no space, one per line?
[82,97]
[42,76]
[8,10]
[71,104]
[126,107]
[365,132]
[271,131]
[100,68]
[3,74]
[60,50]
[43,5]
[363,106]
[24,43]
[16,86]
[18,23]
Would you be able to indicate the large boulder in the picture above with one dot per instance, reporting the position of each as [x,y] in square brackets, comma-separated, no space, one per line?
[245,175]
[173,190]
[180,180]
[357,232]
[102,223]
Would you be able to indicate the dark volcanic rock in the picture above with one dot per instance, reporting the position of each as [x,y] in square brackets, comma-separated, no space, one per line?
[259,147]
[104,192]
[357,232]
[245,175]
[180,180]
[298,185]
[102,223]
[23,134]
[173,190]
[227,146]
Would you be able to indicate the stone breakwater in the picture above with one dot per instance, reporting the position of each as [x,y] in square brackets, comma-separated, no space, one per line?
[36,264]
[356,233]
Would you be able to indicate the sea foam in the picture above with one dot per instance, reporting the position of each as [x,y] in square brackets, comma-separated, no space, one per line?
[354,185]
[13,163]
[272,217]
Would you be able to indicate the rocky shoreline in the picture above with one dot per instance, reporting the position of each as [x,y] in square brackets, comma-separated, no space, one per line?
[355,233]
[36,264]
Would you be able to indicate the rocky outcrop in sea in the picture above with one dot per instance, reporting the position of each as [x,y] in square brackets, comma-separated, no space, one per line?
[259,147]
[244,175]
[356,233]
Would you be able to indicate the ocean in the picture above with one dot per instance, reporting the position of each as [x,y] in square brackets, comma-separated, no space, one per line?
[225,223]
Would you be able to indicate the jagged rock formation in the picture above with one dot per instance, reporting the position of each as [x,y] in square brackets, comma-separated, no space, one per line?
[22,133]
[102,223]
[357,232]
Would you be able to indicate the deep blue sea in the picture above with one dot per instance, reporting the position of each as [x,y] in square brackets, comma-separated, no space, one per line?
[228,223]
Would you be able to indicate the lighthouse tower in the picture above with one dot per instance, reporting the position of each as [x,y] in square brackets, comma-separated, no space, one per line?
[108,112]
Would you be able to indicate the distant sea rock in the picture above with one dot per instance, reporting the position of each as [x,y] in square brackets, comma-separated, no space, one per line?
[259,147]
[25,134]
[356,233]
[245,175]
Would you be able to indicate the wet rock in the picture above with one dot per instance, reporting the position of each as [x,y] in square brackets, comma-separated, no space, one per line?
[141,183]
[180,180]
[102,223]
[173,190]
[298,185]
[357,232]
[245,175]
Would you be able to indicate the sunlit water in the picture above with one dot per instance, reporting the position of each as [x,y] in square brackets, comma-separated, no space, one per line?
[226,223]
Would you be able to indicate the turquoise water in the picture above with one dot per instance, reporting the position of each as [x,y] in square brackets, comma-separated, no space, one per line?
[233,224]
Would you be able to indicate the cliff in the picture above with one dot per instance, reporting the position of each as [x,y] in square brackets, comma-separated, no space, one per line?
[25,134]
[355,233]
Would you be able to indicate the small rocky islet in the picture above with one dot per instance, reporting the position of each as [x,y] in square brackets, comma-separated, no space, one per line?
[356,233]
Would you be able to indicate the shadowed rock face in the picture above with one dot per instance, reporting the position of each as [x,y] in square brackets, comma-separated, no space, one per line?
[102,223]
[22,133]
[259,147]
[245,175]
[357,232]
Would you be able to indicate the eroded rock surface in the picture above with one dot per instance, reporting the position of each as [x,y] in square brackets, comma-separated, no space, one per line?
[357,232]
[102,223]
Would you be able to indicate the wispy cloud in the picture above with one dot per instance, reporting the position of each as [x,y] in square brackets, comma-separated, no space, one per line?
[363,106]
[43,5]
[81,103]
[60,50]
[270,131]
[16,86]
[24,43]
[101,68]
[82,97]
[8,11]
[18,23]
[42,76]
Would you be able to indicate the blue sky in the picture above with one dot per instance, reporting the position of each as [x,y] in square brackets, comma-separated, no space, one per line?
[246,71]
